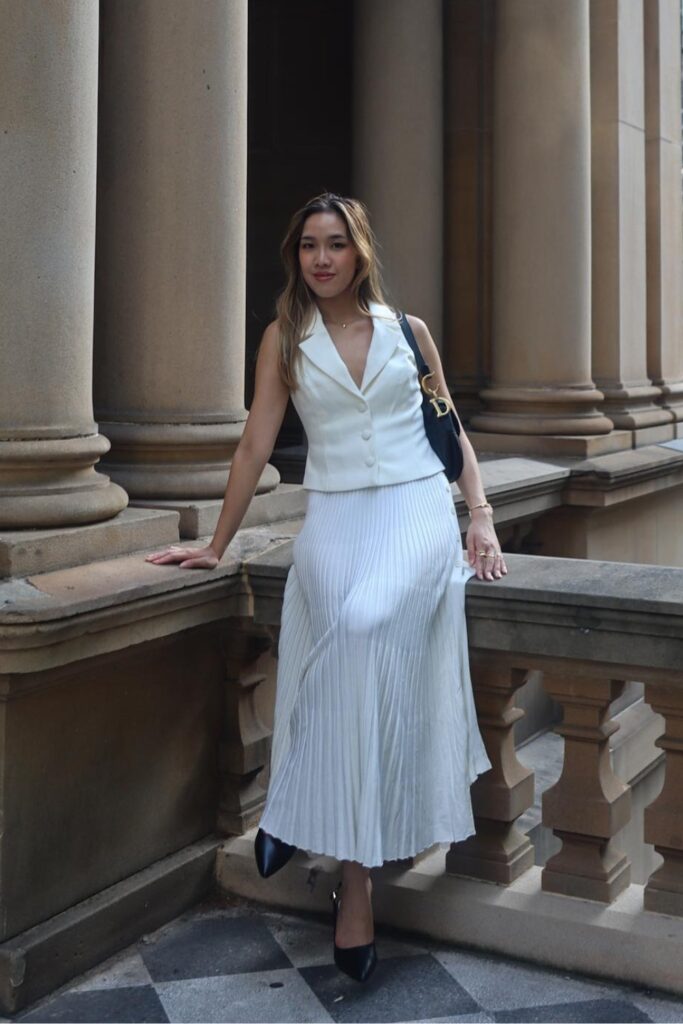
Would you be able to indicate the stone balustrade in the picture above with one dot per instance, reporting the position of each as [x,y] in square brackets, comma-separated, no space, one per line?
[589,627]
[120,671]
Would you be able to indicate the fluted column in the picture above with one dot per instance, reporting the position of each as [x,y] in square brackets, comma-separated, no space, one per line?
[618,226]
[541,215]
[48,438]
[171,247]
[663,185]
[398,145]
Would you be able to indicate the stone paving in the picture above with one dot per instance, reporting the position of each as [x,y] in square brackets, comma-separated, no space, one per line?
[232,960]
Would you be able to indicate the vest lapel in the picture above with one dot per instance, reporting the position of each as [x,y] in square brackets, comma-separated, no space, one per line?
[384,342]
[321,350]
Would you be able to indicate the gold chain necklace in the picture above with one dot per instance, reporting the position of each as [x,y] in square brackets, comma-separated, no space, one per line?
[338,323]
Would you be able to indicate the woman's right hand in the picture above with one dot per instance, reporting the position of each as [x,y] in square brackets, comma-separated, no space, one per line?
[188,558]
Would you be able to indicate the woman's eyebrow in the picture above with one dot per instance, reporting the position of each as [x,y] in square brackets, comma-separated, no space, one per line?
[311,238]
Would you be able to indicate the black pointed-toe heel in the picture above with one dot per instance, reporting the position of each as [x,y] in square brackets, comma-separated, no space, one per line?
[357,961]
[271,853]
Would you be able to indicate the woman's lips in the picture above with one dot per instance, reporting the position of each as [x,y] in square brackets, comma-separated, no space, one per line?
[323,277]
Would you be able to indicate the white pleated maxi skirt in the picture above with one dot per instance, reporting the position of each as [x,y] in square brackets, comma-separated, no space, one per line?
[375,739]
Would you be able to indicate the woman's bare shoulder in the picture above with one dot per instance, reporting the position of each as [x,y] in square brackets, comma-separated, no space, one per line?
[422,335]
[415,322]
[271,334]
[269,344]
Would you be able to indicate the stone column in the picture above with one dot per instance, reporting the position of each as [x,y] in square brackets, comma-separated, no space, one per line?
[663,186]
[618,225]
[398,145]
[48,438]
[541,227]
[171,247]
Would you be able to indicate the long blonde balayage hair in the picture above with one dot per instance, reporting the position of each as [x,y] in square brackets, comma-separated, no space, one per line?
[295,306]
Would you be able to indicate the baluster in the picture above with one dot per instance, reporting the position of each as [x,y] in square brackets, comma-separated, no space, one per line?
[663,818]
[498,852]
[588,804]
[245,748]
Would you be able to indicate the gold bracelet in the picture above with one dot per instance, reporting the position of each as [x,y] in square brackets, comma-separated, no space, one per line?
[482,504]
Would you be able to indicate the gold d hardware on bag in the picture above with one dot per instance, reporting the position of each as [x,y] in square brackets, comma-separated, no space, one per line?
[442,405]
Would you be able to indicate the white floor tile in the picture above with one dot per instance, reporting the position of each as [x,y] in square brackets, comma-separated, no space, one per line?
[504,985]
[245,998]
[127,968]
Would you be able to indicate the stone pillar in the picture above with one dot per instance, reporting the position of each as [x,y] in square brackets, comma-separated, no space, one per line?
[541,226]
[618,225]
[48,438]
[398,146]
[171,246]
[663,187]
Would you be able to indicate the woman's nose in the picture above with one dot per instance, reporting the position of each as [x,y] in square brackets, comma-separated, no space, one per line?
[322,258]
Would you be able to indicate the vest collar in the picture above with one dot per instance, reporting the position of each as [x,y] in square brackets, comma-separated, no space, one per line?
[321,350]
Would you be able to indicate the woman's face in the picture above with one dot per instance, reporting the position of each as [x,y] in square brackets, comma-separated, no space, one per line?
[327,256]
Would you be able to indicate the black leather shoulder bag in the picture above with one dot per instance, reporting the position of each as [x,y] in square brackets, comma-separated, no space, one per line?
[441,422]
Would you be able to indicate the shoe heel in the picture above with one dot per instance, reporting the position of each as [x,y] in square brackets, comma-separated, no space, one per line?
[357,961]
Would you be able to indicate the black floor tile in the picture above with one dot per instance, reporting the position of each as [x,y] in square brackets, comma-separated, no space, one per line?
[207,947]
[594,1011]
[401,988]
[138,1004]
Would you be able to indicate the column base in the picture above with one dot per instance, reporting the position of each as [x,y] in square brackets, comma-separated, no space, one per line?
[51,482]
[542,410]
[551,444]
[162,462]
[634,408]
[199,518]
[654,435]
[672,398]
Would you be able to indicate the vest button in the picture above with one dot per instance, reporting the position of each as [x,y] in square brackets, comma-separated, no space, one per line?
[370,460]
[366,434]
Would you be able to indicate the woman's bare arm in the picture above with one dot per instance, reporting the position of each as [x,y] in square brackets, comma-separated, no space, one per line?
[248,462]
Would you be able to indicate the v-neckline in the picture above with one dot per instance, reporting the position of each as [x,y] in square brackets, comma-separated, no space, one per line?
[358,387]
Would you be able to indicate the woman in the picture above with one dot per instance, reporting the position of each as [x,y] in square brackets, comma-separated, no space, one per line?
[375,740]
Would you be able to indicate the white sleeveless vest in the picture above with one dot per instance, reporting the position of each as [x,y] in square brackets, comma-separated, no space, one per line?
[367,436]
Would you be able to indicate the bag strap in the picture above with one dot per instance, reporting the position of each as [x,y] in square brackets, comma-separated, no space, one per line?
[410,338]
[422,366]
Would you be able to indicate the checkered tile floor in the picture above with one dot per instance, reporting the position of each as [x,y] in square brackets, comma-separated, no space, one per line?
[233,961]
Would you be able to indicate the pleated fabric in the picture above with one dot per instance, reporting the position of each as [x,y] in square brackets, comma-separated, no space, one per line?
[376,740]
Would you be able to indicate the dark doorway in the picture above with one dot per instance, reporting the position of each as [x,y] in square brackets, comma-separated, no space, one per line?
[300,80]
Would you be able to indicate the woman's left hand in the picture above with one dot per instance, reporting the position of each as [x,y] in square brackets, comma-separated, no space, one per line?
[483,549]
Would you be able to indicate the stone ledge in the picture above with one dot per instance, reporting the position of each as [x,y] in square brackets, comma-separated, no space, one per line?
[85,588]
[23,552]
[36,961]
[519,488]
[620,941]
[603,619]
[624,476]
[68,615]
